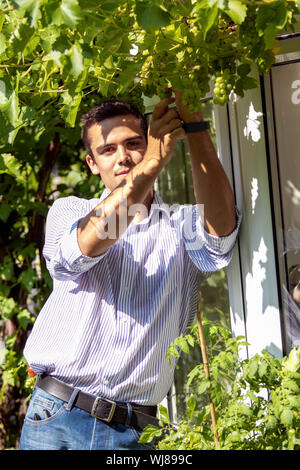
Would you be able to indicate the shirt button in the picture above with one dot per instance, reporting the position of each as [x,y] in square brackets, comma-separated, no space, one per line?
[129,256]
[106,382]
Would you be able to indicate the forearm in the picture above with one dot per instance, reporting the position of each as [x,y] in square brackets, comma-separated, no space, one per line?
[102,227]
[211,185]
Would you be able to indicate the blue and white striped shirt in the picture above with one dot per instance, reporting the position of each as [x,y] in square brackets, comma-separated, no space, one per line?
[106,326]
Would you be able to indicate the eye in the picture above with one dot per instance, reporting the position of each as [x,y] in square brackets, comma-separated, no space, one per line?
[108,149]
[134,144]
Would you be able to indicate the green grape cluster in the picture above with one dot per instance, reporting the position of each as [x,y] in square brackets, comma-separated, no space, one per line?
[224,82]
[192,96]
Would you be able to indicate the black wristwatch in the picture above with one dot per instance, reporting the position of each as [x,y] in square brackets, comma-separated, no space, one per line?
[195,126]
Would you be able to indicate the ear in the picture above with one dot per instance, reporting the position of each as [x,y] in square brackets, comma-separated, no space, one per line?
[92,165]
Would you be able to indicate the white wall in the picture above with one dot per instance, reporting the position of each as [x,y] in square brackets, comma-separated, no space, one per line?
[252,274]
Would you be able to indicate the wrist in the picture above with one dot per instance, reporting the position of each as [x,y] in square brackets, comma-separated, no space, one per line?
[192,117]
[152,164]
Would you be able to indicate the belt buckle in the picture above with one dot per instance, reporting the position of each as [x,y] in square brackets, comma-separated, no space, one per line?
[111,412]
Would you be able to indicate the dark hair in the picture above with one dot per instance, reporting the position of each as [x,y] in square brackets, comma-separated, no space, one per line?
[105,110]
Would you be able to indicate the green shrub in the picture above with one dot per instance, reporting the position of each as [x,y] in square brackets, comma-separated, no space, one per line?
[256,400]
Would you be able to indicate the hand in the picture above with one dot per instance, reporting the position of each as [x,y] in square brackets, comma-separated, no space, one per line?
[164,130]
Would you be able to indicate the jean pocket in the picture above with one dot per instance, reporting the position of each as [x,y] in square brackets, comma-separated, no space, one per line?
[43,407]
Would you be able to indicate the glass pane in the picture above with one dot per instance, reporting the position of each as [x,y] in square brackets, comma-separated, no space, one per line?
[286,110]
[175,186]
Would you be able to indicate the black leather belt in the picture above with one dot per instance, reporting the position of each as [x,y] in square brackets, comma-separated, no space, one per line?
[101,408]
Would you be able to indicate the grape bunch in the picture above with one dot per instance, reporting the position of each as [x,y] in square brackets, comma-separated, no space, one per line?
[224,82]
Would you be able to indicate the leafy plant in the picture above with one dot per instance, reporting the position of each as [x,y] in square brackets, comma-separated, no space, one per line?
[55,53]
[257,400]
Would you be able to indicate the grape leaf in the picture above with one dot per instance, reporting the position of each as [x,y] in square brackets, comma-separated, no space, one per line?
[293,361]
[10,165]
[163,414]
[70,109]
[183,344]
[76,61]
[207,17]
[7,307]
[287,417]
[24,318]
[270,18]
[149,433]
[191,405]
[236,10]
[33,8]
[149,15]
[68,12]
[28,278]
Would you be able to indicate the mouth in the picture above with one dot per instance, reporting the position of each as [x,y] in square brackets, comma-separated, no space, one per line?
[123,173]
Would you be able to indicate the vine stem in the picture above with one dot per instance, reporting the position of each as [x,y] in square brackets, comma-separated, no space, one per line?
[3,12]
[206,367]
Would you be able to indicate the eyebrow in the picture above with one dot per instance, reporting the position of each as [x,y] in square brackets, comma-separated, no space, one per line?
[102,147]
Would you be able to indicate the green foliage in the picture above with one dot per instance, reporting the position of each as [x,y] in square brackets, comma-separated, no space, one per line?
[256,400]
[57,52]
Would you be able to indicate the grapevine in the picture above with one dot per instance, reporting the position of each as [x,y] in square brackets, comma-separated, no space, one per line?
[63,50]
[220,58]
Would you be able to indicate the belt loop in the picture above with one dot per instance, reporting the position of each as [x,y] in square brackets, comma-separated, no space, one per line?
[129,413]
[72,399]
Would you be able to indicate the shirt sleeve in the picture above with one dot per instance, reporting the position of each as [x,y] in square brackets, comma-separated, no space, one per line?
[208,252]
[64,259]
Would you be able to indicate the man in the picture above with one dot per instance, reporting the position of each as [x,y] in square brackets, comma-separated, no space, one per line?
[126,273]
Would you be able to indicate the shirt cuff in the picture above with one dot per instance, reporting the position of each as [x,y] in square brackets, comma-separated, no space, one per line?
[70,255]
[222,245]
[196,237]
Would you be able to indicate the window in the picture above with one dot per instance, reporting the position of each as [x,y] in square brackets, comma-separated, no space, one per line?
[175,186]
[283,111]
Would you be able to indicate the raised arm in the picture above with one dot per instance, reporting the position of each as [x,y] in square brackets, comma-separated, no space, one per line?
[135,188]
[211,185]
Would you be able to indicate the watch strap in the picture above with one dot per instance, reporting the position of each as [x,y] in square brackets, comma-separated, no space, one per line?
[195,126]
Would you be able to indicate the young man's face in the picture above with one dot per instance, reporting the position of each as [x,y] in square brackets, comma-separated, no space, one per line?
[117,144]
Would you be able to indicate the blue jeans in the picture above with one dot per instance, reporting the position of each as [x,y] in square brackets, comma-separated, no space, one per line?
[63,426]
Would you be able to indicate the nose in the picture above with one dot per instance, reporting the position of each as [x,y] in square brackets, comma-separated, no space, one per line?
[123,155]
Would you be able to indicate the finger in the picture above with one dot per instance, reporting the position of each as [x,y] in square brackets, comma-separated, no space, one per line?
[171,126]
[178,94]
[161,107]
[168,116]
[170,140]
[178,133]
